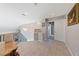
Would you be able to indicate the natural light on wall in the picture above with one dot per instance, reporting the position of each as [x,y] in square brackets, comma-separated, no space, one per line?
[25,29]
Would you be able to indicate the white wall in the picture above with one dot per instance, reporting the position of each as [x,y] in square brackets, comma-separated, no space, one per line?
[60,30]
[72,40]
[29,33]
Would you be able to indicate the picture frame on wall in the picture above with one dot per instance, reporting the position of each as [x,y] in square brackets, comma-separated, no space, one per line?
[73,15]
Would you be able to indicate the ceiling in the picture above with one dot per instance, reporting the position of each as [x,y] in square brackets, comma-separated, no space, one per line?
[13,15]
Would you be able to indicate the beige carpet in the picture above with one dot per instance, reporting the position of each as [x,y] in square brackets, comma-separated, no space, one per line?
[43,48]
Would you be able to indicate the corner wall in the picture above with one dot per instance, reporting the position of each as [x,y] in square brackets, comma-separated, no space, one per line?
[67,34]
[72,39]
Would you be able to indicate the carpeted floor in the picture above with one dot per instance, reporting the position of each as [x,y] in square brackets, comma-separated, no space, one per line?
[43,48]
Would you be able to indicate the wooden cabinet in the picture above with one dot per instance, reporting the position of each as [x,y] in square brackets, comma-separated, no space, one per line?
[73,16]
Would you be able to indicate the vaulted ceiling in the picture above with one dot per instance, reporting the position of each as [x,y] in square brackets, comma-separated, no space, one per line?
[12,15]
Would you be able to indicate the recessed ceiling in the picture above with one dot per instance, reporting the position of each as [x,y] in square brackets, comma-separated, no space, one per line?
[12,15]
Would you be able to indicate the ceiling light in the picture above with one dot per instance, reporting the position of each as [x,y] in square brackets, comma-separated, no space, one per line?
[24,14]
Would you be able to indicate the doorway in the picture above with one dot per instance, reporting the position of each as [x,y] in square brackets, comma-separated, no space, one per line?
[51,30]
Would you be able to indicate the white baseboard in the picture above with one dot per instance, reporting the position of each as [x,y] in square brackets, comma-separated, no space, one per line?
[69,50]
